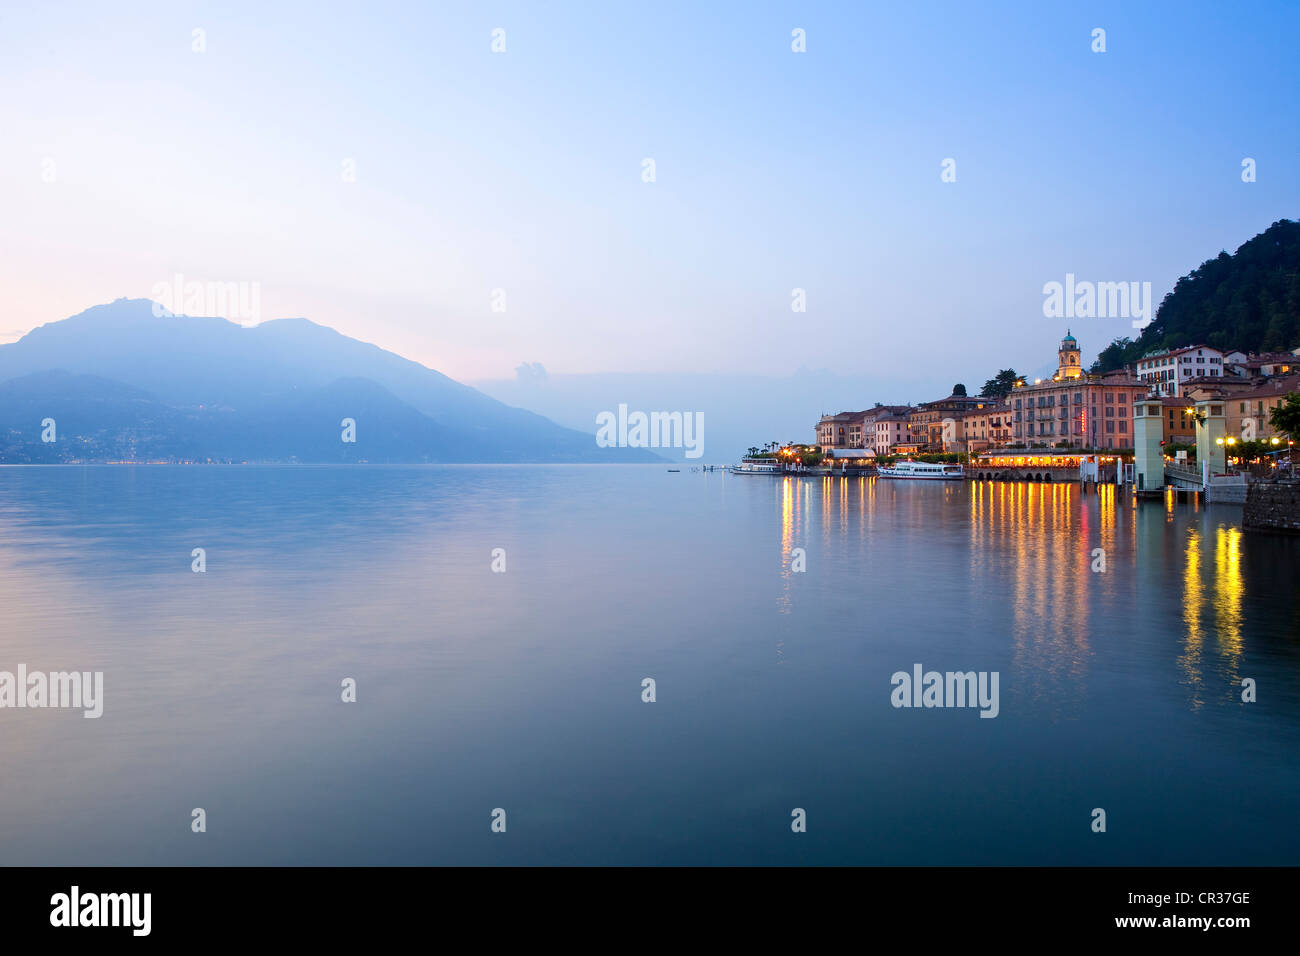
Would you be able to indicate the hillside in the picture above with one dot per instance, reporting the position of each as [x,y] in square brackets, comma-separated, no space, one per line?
[1249,300]
[124,383]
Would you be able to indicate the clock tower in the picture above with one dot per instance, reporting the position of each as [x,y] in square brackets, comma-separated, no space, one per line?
[1068,358]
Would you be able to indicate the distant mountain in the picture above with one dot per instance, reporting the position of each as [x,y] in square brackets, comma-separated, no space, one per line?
[122,383]
[94,418]
[1249,300]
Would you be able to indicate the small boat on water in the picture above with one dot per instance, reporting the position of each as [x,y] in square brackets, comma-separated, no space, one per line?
[756,466]
[921,469]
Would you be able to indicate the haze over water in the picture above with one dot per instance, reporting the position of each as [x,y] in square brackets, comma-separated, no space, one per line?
[522,690]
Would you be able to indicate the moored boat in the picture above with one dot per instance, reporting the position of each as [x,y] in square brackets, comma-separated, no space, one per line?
[922,470]
[756,466]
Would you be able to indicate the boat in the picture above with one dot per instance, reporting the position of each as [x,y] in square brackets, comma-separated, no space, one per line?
[756,466]
[921,469]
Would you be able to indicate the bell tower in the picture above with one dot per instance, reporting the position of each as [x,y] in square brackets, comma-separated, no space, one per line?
[1068,358]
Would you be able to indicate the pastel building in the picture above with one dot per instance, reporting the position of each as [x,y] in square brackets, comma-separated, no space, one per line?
[877,428]
[891,428]
[1249,405]
[941,425]
[1170,371]
[1074,409]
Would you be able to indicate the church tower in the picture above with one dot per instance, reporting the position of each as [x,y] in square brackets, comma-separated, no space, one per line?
[1067,357]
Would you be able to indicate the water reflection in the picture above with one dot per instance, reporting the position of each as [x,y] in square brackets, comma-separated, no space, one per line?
[1229,593]
[1190,659]
[523,689]
[1061,563]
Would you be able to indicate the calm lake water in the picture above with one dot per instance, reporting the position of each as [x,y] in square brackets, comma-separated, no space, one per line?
[522,690]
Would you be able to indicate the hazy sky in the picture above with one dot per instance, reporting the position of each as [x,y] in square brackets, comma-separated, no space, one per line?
[522,171]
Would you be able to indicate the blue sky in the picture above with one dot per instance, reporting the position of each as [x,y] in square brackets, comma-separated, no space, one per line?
[522,171]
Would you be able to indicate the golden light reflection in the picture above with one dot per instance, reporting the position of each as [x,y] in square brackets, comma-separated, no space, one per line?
[1049,588]
[844,504]
[789,501]
[1031,547]
[1226,596]
[1190,659]
[826,485]
[1229,590]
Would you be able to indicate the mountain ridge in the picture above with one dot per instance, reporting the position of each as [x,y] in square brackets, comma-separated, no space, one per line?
[270,382]
[1249,300]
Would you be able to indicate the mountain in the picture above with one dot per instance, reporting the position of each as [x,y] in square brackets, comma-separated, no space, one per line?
[122,382]
[1249,300]
[94,418]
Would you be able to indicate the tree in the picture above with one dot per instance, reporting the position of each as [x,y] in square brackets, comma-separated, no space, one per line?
[1286,416]
[1112,356]
[752,452]
[1249,300]
[1000,385]
[959,389]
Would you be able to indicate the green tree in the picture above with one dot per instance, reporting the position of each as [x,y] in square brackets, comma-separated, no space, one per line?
[1249,300]
[1112,356]
[1000,385]
[959,389]
[1286,416]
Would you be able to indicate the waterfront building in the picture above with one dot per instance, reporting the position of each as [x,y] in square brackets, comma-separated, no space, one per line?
[864,429]
[891,428]
[1249,404]
[940,425]
[1075,410]
[840,431]
[987,427]
[1169,371]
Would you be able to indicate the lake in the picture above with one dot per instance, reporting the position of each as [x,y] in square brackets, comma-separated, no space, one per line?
[521,689]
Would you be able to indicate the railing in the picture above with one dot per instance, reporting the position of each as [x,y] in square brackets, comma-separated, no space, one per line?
[1183,473]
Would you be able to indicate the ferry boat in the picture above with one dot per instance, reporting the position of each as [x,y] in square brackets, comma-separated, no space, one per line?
[921,469]
[756,466]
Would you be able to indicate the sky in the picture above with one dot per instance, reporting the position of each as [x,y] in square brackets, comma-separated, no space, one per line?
[131,157]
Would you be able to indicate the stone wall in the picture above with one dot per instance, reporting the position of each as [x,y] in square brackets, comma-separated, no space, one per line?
[1227,490]
[1273,506]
